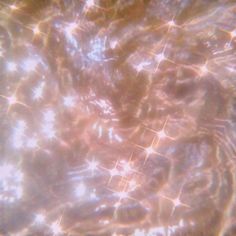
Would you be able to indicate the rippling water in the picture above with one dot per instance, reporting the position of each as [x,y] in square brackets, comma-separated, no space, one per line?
[118,118]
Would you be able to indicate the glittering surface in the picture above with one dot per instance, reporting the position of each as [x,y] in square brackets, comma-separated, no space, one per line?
[117,118]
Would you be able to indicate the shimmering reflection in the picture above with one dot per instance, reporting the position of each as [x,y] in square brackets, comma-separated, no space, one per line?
[117,118]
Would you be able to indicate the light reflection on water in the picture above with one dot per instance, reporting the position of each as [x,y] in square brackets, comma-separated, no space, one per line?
[117,118]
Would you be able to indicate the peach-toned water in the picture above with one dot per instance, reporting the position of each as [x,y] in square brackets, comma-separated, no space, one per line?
[118,118]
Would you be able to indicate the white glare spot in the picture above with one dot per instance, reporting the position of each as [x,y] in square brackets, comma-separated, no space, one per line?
[160,57]
[162,134]
[171,23]
[48,125]
[36,30]
[93,194]
[5,171]
[203,69]
[92,165]
[13,7]
[32,143]
[113,44]
[80,190]
[49,116]
[97,49]
[11,66]
[132,185]
[233,33]
[29,65]
[69,101]
[56,228]
[122,195]
[142,65]
[49,130]
[39,219]
[176,202]
[139,232]
[18,134]
[126,167]
[90,3]
[118,138]
[149,150]
[69,34]
[70,28]
[114,172]
[10,183]
[12,100]
[38,91]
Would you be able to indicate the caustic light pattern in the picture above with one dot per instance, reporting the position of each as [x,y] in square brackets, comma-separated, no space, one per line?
[118,118]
